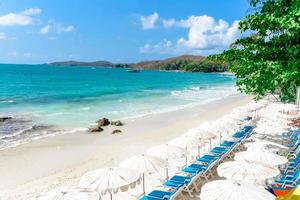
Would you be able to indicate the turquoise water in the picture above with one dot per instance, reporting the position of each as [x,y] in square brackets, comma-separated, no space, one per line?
[77,96]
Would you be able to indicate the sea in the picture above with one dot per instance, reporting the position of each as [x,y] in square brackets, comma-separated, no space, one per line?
[48,100]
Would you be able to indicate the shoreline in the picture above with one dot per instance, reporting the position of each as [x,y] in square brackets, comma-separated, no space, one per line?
[61,160]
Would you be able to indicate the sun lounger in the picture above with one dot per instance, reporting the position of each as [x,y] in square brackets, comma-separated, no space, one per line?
[188,184]
[162,195]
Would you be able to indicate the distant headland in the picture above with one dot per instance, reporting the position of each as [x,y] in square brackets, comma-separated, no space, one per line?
[190,63]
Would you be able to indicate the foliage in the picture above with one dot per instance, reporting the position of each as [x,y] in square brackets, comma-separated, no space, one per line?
[202,65]
[267,60]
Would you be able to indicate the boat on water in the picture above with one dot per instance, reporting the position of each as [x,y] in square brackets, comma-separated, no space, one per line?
[133,70]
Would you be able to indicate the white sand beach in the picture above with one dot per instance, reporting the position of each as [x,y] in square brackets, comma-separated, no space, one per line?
[60,161]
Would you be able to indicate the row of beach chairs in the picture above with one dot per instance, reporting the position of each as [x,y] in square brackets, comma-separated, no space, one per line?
[189,178]
[290,172]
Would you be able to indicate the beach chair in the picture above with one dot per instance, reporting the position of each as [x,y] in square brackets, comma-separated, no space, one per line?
[207,158]
[221,152]
[156,195]
[288,180]
[188,184]
[204,171]
[163,195]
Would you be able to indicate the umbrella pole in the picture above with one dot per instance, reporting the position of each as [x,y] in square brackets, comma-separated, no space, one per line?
[199,153]
[144,184]
[167,173]
[110,196]
[167,170]
[220,137]
[186,157]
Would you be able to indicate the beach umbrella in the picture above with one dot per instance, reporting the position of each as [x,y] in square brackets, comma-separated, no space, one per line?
[186,143]
[229,125]
[258,156]
[202,135]
[144,164]
[286,116]
[211,127]
[292,195]
[225,126]
[252,172]
[109,180]
[167,151]
[234,190]
[266,146]
[72,194]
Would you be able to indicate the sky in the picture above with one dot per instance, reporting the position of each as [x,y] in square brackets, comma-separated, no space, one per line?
[43,31]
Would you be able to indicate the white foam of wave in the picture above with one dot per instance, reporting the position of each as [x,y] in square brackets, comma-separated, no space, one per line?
[6,136]
[196,96]
[196,93]
[56,114]
[84,109]
[40,135]
[7,101]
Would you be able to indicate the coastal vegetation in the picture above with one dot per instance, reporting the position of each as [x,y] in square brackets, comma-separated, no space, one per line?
[267,58]
[189,63]
[196,66]
[100,63]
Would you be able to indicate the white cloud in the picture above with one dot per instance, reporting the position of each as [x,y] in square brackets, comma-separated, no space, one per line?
[31,11]
[13,54]
[45,29]
[58,28]
[205,35]
[61,29]
[23,18]
[27,54]
[148,22]
[165,46]
[168,23]
[3,36]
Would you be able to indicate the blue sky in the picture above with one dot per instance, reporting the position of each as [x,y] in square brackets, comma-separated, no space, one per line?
[40,31]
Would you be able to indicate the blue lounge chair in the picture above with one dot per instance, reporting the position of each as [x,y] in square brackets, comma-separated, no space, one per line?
[188,184]
[157,194]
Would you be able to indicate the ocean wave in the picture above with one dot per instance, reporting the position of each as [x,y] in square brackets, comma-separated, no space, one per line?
[203,93]
[84,108]
[36,132]
[56,114]
[7,101]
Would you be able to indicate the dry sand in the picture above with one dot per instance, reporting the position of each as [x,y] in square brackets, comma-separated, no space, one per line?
[60,161]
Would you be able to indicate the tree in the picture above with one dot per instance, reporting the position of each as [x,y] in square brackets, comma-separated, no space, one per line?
[266,59]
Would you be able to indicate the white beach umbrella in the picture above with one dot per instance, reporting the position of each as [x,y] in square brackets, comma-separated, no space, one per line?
[166,152]
[109,180]
[266,146]
[202,135]
[252,172]
[286,116]
[227,124]
[258,156]
[234,190]
[211,127]
[186,143]
[144,164]
[72,194]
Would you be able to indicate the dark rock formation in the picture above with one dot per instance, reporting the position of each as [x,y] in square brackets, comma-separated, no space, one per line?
[3,119]
[96,129]
[116,131]
[103,122]
[116,123]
